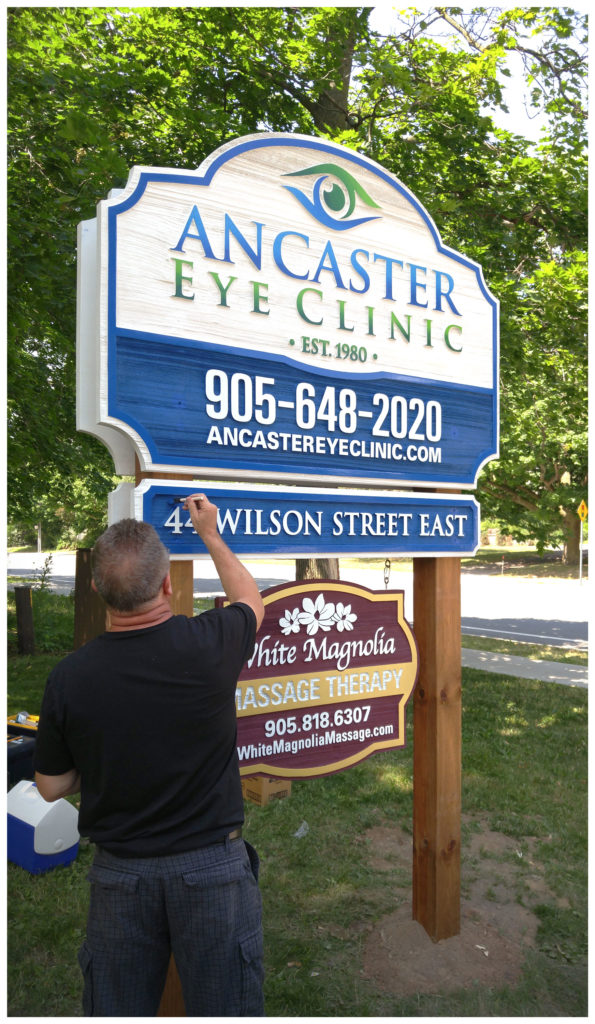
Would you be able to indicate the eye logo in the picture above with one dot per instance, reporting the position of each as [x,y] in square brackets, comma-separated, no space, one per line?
[332,205]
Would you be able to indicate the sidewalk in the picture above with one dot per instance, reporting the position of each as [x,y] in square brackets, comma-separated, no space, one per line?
[526,668]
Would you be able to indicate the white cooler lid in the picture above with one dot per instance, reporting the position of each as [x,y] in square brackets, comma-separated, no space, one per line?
[55,824]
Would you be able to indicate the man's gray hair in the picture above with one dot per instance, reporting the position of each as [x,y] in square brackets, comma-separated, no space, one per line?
[129,564]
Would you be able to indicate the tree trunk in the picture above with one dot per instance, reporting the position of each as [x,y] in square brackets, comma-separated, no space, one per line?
[572,538]
[330,109]
[317,569]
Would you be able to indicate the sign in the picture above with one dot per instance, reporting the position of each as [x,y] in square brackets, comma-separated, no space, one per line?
[265,522]
[332,670]
[582,511]
[288,310]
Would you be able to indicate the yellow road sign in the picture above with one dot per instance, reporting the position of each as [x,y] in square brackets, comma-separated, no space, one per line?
[582,511]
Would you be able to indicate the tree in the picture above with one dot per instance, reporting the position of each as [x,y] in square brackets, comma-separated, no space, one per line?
[541,469]
[518,210]
[93,91]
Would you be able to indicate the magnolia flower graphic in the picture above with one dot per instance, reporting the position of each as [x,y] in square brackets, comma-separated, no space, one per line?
[344,617]
[317,615]
[290,622]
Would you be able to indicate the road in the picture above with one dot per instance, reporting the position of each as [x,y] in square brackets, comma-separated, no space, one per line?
[543,611]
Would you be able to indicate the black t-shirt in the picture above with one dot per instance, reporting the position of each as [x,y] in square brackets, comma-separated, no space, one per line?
[148,718]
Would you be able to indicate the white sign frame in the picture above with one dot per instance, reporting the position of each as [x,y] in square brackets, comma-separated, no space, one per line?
[105,308]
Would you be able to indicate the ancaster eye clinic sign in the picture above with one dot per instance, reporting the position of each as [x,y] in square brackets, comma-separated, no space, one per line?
[288,311]
[327,684]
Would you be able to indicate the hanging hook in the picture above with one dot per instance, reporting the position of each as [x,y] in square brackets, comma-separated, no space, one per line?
[386,572]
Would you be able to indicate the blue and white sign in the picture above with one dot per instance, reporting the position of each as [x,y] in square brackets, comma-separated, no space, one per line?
[267,522]
[288,311]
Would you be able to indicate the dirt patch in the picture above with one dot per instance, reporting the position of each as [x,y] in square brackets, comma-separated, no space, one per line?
[401,958]
[496,929]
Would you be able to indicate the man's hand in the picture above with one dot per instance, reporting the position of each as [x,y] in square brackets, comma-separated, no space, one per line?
[203,514]
[237,582]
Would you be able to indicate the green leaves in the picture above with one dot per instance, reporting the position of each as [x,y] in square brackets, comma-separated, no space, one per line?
[544,451]
[94,91]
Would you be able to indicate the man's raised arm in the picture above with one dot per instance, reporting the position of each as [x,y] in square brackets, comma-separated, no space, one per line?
[237,582]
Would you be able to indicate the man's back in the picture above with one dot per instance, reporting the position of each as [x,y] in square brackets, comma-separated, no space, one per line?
[148,718]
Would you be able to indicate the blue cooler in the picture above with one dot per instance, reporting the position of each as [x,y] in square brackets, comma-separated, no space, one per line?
[40,835]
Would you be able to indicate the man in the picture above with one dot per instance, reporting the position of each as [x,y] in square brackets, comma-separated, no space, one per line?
[142,720]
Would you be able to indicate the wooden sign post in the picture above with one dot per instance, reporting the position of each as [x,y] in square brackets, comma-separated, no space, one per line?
[182,603]
[181,572]
[437,746]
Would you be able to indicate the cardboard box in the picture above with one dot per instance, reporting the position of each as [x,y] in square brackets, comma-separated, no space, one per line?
[262,791]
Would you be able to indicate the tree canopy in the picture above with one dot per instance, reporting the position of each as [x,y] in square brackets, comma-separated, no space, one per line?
[94,91]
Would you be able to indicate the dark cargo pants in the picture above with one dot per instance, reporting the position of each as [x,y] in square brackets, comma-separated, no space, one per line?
[203,906]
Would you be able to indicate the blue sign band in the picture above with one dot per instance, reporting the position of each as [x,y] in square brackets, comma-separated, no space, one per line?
[213,407]
[294,524]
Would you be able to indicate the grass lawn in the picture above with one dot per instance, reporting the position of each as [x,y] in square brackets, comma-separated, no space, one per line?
[518,560]
[524,780]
